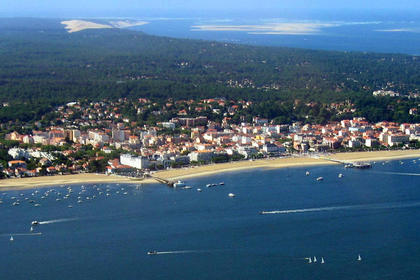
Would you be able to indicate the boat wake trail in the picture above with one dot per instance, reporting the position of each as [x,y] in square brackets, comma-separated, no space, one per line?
[176,252]
[379,206]
[58,221]
[21,234]
[396,173]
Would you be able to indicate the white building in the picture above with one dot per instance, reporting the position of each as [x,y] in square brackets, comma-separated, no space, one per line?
[397,139]
[247,152]
[271,148]
[98,136]
[201,156]
[354,144]
[74,135]
[18,153]
[133,161]
[168,125]
[371,142]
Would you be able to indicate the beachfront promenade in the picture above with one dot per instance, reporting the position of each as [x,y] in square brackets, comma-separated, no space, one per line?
[183,173]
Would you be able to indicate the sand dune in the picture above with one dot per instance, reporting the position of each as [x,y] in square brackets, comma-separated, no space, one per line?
[79,25]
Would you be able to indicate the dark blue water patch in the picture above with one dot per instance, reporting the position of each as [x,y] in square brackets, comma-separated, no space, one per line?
[209,235]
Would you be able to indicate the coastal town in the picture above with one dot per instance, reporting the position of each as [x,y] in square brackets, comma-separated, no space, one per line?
[132,137]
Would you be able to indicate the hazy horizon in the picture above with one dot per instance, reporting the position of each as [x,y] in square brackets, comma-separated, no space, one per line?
[129,8]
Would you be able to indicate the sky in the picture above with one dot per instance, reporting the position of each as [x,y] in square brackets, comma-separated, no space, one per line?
[105,7]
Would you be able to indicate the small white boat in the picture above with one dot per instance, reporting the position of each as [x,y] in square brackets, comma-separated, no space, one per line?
[314,259]
[322,260]
[187,188]
[179,184]
[307,173]
[359,258]
[309,260]
[152,253]
[11,238]
[199,190]
[221,183]
[340,175]
[320,178]
[208,185]
[35,223]
[231,195]
[32,229]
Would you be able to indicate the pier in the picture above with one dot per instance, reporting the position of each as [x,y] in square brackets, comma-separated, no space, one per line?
[360,165]
[157,179]
[160,180]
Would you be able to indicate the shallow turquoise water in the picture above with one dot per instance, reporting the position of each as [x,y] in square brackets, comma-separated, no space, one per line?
[207,235]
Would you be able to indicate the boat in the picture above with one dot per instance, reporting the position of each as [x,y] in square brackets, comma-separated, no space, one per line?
[152,253]
[179,184]
[208,185]
[32,229]
[359,258]
[11,238]
[221,183]
[340,175]
[314,259]
[362,165]
[307,173]
[322,260]
[320,178]
[187,188]
[199,190]
[35,223]
[231,195]
[309,260]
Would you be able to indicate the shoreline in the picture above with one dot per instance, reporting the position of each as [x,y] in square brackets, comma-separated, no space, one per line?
[204,170]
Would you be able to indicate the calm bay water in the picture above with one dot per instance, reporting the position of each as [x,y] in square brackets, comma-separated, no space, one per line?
[382,32]
[208,235]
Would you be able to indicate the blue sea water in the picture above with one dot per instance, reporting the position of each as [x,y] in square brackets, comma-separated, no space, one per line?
[383,32]
[208,235]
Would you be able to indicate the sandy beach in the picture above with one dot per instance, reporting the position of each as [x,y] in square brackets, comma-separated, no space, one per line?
[205,170]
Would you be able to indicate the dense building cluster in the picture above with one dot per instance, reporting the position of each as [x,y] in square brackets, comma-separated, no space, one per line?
[107,136]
